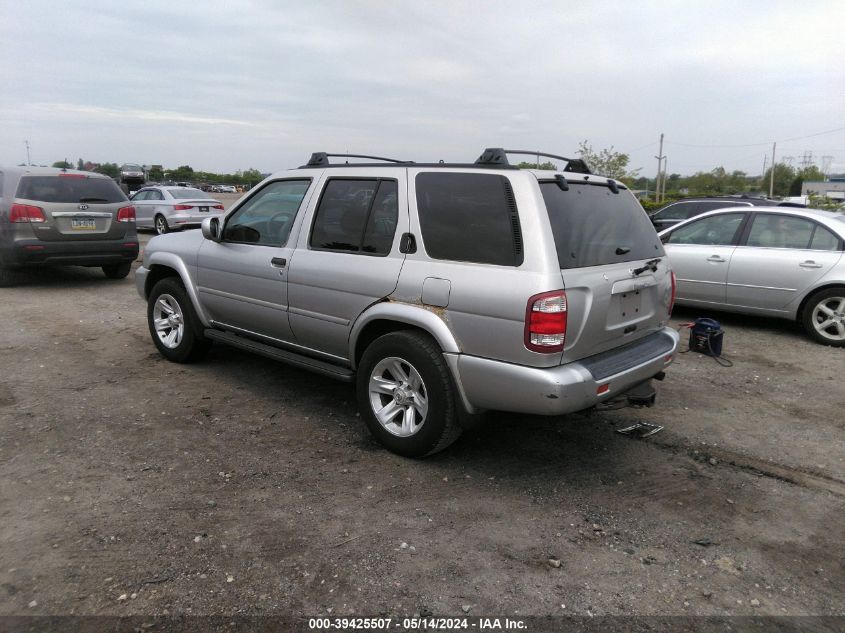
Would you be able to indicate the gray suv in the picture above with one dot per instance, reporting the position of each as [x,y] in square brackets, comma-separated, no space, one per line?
[61,216]
[440,290]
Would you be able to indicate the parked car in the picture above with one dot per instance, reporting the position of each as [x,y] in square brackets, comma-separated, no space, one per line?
[680,210]
[132,175]
[60,216]
[226,189]
[166,209]
[773,261]
[441,290]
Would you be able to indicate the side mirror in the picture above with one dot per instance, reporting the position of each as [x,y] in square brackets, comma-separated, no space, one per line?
[211,229]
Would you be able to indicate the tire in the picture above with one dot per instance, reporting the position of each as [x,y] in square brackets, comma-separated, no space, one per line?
[117,271]
[826,307]
[413,378]
[180,340]
[160,225]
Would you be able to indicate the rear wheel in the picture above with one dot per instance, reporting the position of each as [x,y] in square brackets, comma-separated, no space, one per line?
[174,326]
[406,395]
[161,225]
[117,271]
[824,317]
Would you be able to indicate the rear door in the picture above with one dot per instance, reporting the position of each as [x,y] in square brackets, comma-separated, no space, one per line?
[348,256]
[603,240]
[76,207]
[700,253]
[780,257]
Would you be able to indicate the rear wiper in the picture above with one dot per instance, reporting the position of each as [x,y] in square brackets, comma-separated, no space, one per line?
[93,200]
[649,265]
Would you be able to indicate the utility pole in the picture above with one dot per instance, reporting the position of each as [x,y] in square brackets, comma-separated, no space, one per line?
[28,161]
[772,174]
[665,175]
[659,158]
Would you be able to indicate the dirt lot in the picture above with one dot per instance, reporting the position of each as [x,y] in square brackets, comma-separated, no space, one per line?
[129,485]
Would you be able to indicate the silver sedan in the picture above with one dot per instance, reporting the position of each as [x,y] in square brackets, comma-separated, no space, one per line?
[771,261]
[174,208]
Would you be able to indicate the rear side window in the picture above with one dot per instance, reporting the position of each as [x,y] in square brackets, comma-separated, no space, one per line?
[469,218]
[70,188]
[593,226]
[771,230]
[824,240]
[356,215]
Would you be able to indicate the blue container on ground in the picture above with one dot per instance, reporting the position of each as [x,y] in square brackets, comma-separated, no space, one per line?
[706,337]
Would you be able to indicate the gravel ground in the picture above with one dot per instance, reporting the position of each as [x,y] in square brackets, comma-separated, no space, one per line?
[129,485]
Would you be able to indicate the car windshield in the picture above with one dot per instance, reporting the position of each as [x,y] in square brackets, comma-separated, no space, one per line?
[70,188]
[593,226]
[188,193]
[131,168]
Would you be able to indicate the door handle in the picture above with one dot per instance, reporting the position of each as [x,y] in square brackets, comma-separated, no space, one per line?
[279,262]
[809,264]
[716,258]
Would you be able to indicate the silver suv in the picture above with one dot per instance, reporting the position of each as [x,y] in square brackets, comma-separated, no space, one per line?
[441,290]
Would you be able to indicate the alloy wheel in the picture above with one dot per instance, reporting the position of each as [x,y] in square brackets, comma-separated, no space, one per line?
[169,321]
[829,318]
[398,396]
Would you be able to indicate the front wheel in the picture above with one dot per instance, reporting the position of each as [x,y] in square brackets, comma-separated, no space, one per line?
[173,323]
[824,317]
[161,225]
[406,395]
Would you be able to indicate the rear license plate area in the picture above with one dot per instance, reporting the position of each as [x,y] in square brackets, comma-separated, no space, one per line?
[203,209]
[83,224]
[629,304]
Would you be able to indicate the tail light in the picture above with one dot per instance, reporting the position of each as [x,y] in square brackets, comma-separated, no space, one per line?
[182,207]
[126,214]
[217,206]
[545,322]
[672,297]
[26,213]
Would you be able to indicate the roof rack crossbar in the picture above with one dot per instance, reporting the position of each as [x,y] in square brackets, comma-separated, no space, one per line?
[498,156]
[321,159]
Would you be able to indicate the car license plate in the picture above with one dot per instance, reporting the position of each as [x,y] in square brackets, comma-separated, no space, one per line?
[83,225]
[204,209]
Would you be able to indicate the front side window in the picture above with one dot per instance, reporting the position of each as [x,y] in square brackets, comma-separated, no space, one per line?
[771,230]
[713,230]
[267,217]
[140,196]
[356,215]
[469,218]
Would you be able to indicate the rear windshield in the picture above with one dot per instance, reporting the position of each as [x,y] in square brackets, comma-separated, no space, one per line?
[593,226]
[70,189]
[186,193]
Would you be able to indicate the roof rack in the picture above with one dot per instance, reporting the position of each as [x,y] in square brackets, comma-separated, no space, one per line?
[498,156]
[321,159]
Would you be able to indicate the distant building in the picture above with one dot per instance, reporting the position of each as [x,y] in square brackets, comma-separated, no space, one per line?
[833,188]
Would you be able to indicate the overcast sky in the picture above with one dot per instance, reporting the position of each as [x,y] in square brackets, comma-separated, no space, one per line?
[231,85]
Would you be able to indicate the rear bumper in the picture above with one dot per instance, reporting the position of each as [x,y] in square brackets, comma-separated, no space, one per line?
[33,252]
[178,221]
[491,384]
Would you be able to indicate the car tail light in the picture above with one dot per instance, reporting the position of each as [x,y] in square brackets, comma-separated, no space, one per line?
[217,206]
[126,214]
[183,207]
[672,297]
[26,213]
[545,322]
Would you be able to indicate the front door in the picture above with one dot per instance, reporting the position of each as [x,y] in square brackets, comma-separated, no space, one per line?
[242,280]
[348,256]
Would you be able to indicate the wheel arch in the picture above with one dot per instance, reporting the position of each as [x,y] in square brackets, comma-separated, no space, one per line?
[163,265]
[390,316]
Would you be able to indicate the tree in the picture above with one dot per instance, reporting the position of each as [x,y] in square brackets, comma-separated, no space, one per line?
[607,162]
[63,164]
[109,169]
[807,174]
[79,164]
[547,165]
[784,175]
[156,173]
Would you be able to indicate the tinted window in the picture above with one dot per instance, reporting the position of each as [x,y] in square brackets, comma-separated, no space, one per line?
[356,215]
[824,240]
[70,188]
[141,195]
[267,217]
[676,211]
[593,226]
[155,195]
[771,230]
[469,218]
[187,193]
[714,230]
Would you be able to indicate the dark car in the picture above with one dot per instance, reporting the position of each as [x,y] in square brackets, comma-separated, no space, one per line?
[681,210]
[64,217]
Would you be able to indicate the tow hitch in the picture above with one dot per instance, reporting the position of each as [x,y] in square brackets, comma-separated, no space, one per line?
[642,395]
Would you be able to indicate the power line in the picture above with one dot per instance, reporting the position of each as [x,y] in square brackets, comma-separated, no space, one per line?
[765,144]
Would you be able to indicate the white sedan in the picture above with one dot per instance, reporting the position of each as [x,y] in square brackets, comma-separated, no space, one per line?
[166,209]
